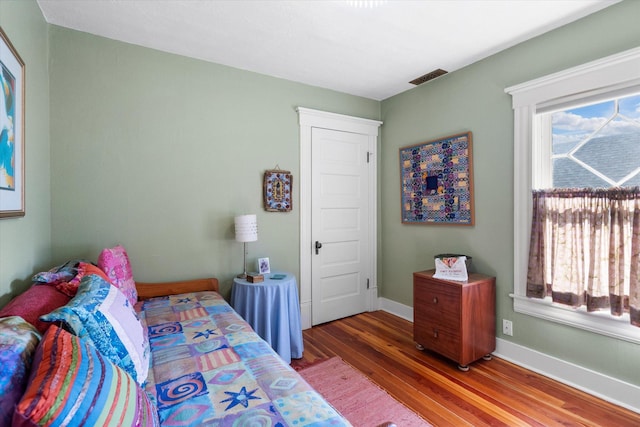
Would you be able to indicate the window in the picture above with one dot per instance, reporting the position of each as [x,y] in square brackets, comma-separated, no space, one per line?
[548,153]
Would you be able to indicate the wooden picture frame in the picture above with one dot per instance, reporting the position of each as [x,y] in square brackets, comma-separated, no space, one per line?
[436,181]
[278,190]
[12,100]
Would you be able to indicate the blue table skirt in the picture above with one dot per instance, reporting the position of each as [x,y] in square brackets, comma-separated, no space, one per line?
[272,308]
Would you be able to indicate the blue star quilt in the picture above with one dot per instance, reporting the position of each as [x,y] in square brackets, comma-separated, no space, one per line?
[209,368]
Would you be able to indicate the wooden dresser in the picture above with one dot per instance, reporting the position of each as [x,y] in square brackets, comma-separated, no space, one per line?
[455,319]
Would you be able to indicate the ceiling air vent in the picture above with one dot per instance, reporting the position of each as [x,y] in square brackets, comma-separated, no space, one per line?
[429,76]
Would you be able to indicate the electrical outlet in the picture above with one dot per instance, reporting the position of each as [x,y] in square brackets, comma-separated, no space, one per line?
[507,327]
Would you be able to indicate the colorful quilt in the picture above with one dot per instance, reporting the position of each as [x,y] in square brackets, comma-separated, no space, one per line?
[209,368]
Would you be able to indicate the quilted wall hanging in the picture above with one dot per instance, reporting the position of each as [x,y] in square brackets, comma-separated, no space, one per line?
[436,180]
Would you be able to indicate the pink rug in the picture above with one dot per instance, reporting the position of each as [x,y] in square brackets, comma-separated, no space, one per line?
[356,397]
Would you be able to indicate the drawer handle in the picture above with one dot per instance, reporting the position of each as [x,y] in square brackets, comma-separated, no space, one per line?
[435,333]
[435,300]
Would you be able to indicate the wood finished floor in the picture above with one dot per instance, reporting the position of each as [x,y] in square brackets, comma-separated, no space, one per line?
[492,393]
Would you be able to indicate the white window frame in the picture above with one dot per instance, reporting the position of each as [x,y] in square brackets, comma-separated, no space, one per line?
[589,82]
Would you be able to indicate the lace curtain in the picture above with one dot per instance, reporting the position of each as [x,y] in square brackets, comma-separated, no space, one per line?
[585,249]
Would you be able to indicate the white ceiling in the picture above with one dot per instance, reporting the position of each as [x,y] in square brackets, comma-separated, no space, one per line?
[370,51]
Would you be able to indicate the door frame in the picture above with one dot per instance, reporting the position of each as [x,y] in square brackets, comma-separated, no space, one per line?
[309,119]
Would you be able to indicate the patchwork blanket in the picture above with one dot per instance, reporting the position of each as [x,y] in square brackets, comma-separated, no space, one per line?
[209,368]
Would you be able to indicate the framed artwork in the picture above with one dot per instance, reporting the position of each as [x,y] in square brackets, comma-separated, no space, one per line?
[436,181]
[278,187]
[11,130]
[263,266]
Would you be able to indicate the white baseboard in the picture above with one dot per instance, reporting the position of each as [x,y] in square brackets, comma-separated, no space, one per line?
[305,315]
[396,308]
[607,388]
[595,383]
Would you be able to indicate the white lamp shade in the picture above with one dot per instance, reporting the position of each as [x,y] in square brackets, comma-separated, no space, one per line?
[246,228]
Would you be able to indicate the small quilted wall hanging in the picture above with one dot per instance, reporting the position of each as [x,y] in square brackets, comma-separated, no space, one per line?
[278,188]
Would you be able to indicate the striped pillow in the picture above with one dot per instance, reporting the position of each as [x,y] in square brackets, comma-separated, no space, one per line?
[71,384]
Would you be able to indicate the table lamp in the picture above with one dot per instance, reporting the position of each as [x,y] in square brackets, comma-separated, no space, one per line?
[246,231]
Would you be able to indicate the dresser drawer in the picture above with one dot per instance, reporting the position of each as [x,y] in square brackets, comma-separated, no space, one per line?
[441,340]
[438,304]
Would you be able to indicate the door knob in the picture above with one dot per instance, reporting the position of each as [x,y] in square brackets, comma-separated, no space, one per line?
[318,246]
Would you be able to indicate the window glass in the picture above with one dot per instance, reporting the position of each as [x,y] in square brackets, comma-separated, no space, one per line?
[597,145]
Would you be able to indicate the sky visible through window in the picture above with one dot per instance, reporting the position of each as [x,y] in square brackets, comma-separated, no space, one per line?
[572,126]
[597,145]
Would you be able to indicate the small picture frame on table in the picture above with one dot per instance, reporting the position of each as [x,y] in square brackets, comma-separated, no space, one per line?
[263,266]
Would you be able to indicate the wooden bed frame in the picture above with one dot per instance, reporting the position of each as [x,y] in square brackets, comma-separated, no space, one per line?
[150,290]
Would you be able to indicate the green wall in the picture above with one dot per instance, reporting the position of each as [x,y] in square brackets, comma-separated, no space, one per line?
[473,99]
[159,152]
[25,243]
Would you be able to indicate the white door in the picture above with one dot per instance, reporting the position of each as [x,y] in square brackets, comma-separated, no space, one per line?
[340,262]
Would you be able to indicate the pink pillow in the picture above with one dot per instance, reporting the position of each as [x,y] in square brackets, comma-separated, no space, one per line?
[36,301]
[115,263]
